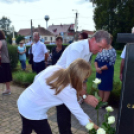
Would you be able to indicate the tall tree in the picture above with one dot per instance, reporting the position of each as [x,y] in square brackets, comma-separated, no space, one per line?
[115,16]
[5,23]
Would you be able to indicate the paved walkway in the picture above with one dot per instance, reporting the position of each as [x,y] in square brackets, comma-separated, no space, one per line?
[10,122]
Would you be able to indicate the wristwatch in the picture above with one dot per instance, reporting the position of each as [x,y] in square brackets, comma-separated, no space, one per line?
[84,96]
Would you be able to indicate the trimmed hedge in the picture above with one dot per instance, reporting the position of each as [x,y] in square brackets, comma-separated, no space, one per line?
[51,46]
[13,55]
[23,78]
[48,47]
[114,98]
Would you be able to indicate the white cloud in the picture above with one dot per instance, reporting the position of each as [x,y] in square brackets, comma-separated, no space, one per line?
[60,11]
[82,1]
[12,1]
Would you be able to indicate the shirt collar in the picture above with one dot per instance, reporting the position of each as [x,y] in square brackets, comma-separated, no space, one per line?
[37,42]
[87,49]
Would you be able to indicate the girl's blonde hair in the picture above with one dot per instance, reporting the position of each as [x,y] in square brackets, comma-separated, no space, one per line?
[75,74]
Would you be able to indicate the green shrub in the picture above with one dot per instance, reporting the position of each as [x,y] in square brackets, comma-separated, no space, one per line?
[23,78]
[19,38]
[51,46]
[114,96]
[13,55]
[27,48]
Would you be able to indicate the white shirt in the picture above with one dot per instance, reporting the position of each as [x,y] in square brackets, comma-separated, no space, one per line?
[74,51]
[123,54]
[38,50]
[38,98]
[29,43]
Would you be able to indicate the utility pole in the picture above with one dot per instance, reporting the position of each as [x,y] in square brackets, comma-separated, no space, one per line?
[31,30]
[76,37]
[76,24]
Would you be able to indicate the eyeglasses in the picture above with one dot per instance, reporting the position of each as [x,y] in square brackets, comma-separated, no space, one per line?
[20,43]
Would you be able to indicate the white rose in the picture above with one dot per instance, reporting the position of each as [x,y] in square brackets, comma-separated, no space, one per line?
[97,81]
[101,131]
[109,109]
[90,126]
[111,120]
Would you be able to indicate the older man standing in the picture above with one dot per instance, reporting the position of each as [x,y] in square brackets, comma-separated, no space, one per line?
[123,55]
[39,52]
[82,49]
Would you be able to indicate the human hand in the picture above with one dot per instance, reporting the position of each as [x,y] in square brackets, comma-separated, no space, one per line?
[98,70]
[91,100]
[95,126]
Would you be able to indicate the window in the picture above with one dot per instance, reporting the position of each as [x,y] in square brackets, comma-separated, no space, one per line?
[45,38]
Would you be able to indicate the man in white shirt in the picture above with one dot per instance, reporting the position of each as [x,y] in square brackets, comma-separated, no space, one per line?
[123,55]
[81,49]
[39,52]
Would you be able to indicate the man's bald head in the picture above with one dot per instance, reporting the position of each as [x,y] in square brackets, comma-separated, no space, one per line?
[36,36]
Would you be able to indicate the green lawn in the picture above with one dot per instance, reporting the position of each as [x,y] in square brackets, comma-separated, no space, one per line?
[116,70]
[93,75]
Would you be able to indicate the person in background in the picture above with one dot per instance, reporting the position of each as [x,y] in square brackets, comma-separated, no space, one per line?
[42,40]
[31,58]
[49,59]
[39,52]
[5,70]
[82,36]
[22,55]
[123,55]
[104,64]
[30,42]
[58,50]
[53,87]
[80,49]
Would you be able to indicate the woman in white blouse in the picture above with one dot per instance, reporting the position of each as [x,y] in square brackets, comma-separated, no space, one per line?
[52,87]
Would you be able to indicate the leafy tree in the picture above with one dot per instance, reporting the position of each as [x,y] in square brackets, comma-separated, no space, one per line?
[19,38]
[115,16]
[5,23]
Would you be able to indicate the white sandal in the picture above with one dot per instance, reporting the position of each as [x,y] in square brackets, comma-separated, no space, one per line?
[6,92]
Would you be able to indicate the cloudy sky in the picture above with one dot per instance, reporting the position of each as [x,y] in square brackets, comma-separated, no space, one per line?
[21,12]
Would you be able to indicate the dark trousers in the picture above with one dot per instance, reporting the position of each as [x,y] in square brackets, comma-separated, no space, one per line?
[39,66]
[39,126]
[64,119]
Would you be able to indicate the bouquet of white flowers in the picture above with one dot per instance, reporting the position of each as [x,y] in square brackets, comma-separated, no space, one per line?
[106,127]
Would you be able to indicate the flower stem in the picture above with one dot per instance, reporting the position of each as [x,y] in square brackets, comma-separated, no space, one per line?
[98,117]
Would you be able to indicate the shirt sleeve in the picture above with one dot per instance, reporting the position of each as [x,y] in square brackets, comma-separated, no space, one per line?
[112,59]
[32,49]
[69,98]
[45,49]
[74,55]
[123,54]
